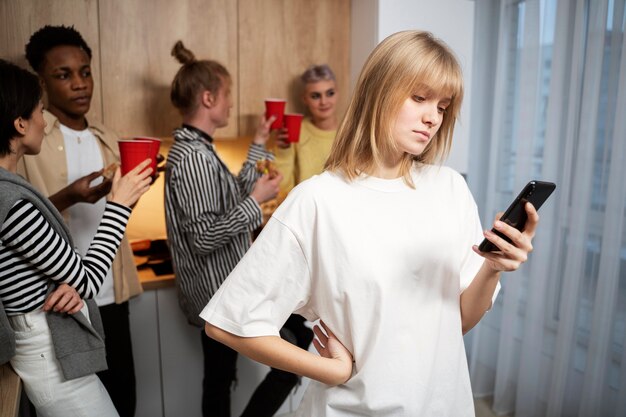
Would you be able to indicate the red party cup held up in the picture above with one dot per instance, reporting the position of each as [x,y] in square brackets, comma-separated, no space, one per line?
[293,122]
[134,152]
[156,146]
[275,107]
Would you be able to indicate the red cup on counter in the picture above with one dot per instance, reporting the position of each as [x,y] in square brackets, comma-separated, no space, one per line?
[156,146]
[275,107]
[293,122]
[134,152]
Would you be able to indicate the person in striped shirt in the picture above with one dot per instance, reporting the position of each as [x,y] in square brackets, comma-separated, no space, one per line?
[41,274]
[210,214]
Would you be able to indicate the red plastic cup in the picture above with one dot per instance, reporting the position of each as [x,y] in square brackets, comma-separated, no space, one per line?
[156,146]
[293,122]
[134,152]
[275,107]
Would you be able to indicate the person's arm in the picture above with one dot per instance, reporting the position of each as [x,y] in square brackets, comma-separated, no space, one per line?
[477,297]
[333,366]
[64,299]
[201,204]
[248,175]
[81,191]
[53,256]
[28,234]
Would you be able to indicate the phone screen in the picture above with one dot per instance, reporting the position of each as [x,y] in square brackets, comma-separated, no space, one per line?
[535,192]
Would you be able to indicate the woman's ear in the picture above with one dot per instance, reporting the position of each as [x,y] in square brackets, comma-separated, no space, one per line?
[20,125]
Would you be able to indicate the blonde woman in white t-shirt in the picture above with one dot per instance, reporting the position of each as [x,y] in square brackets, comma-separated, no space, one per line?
[381,248]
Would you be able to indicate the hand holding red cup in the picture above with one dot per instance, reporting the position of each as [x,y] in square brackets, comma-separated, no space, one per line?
[156,146]
[133,152]
[275,107]
[292,122]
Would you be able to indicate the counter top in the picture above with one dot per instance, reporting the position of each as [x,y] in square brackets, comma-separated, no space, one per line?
[151,281]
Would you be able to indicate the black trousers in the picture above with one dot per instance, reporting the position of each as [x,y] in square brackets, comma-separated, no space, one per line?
[119,379]
[220,364]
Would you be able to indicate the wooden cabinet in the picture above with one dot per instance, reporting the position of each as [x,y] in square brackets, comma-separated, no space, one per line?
[265,45]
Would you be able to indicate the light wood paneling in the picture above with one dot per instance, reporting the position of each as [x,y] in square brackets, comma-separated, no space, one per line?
[264,44]
[138,68]
[19,19]
[10,391]
[278,40]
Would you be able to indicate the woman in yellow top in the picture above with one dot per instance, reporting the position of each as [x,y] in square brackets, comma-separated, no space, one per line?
[307,157]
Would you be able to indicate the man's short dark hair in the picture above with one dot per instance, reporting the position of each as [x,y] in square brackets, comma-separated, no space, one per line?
[49,37]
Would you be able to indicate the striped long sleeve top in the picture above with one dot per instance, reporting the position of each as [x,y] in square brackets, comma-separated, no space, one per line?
[209,215]
[32,253]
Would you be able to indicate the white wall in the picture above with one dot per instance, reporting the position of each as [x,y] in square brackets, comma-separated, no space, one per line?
[450,20]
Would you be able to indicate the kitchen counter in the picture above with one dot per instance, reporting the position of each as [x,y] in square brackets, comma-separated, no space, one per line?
[151,281]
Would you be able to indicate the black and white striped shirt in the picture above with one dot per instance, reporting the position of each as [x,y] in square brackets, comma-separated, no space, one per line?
[209,215]
[32,253]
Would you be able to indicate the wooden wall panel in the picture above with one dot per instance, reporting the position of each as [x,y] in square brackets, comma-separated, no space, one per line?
[264,44]
[278,40]
[20,18]
[136,41]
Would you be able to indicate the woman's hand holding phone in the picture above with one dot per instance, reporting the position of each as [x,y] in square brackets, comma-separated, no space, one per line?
[510,255]
[508,244]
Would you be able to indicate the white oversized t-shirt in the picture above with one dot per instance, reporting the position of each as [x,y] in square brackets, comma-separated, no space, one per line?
[383,265]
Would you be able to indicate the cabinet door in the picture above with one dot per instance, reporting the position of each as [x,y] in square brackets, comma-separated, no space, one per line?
[181,358]
[182,364]
[146,354]
[137,68]
[278,40]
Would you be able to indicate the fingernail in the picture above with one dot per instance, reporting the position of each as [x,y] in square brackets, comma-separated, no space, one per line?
[499,224]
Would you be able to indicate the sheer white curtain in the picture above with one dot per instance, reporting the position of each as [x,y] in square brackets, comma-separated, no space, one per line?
[549,103]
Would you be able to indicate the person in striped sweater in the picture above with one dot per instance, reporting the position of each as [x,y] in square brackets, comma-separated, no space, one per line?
[210,214]
[42,278]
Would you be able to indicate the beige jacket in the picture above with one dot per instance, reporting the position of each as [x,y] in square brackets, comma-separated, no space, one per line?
[47,172]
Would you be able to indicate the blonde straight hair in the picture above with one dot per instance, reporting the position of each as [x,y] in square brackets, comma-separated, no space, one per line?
[404,64]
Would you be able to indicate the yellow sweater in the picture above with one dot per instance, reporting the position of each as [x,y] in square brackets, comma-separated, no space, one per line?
[305,158]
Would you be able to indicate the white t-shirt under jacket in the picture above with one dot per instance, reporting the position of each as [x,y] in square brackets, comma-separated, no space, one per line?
[383,265]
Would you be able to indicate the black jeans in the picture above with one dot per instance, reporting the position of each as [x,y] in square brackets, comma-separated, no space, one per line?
[220,363]
[119,379]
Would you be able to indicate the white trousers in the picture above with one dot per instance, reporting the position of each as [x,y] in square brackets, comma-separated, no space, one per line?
[37,366]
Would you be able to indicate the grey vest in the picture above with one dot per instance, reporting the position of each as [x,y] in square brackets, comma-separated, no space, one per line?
[78,344]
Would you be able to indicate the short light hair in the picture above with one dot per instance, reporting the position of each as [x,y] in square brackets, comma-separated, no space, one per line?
[400,66]
[317,73]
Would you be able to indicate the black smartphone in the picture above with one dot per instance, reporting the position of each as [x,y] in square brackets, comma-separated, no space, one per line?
[535,192]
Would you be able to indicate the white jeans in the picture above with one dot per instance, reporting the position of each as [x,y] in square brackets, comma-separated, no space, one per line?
[37,366]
